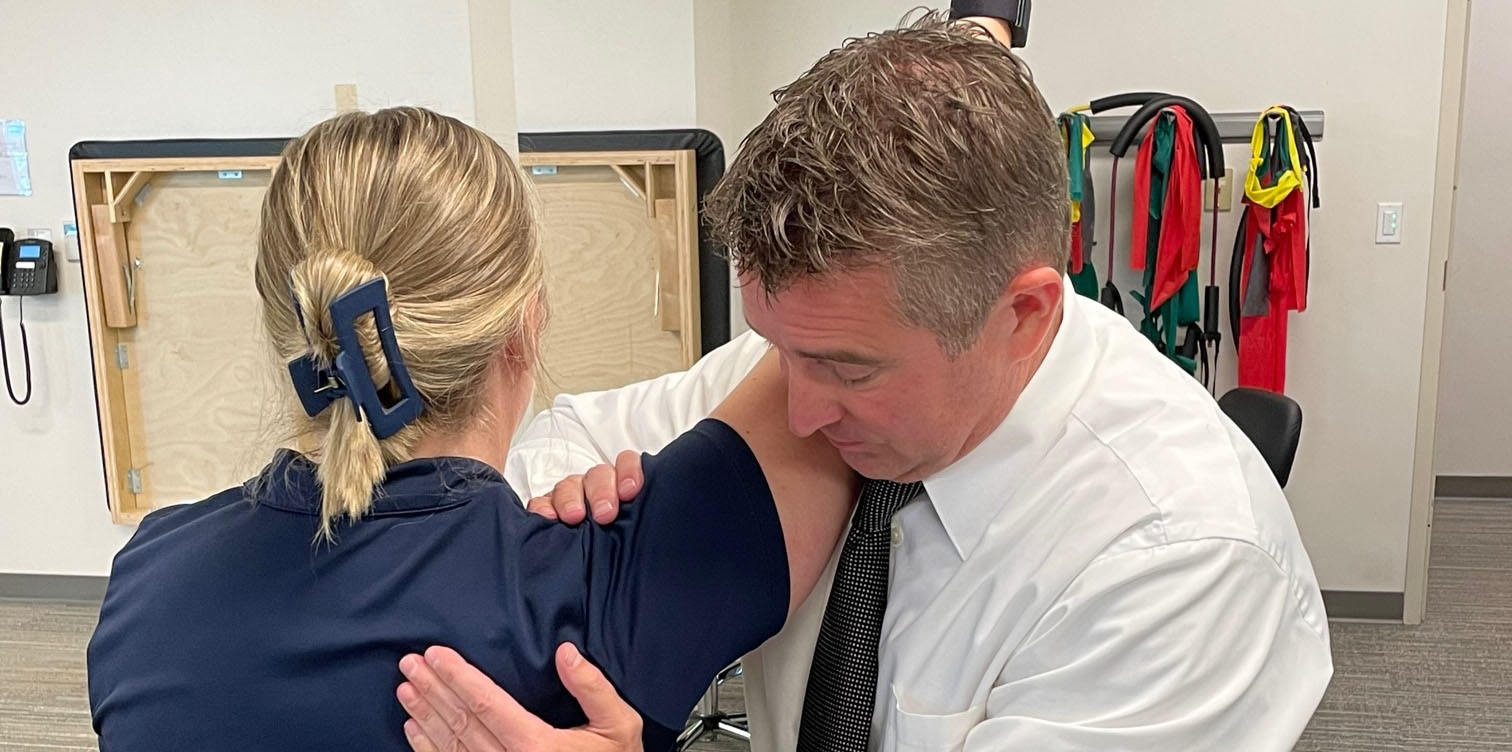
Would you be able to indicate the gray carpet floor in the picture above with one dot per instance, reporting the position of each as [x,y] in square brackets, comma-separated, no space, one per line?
[1444,686]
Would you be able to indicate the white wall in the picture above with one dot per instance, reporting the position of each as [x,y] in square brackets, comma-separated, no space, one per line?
[779,39]
[589,65]
[1375,68]
[595,65]
[1354,355]
[1475,407]
[493,83]
[87,70]
[714,71]
[603,64]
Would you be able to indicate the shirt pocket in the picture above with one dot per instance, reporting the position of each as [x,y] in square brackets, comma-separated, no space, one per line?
[935,732]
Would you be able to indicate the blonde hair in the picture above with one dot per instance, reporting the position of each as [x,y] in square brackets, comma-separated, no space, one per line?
[439,211]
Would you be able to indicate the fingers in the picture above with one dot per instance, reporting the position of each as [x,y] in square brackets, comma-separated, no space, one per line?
[444,719]
[607,712]
[454,707]
[567,498]
[601,490]
[541,505]
[607,486]
[598,486]
[417,739]
[627,468]
[432,727]
[501,718]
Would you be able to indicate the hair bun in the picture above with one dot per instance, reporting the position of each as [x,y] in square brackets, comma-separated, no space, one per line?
[325,274]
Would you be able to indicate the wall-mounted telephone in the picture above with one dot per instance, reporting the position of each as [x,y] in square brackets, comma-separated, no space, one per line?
[26,268]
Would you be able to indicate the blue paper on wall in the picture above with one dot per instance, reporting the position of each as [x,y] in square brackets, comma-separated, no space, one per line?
[15,170]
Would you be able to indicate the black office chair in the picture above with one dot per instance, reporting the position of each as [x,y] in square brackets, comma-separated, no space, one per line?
[1273,421]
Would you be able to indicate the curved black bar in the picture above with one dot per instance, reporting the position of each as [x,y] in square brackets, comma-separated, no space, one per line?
[1111,297]
[1207,131]
[1127,99]
[179,147]
[1236,277]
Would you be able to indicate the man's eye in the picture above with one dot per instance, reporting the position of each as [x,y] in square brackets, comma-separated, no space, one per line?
[852,375]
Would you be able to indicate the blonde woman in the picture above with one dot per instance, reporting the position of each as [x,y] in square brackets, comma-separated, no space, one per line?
[401,285]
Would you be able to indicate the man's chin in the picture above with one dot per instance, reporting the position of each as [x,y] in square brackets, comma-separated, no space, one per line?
[869,462]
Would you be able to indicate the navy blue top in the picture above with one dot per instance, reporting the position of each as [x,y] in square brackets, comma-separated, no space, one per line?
[226,627]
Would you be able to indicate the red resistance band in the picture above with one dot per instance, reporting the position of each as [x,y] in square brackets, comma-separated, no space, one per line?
[1179,248]
[1262,339]
[1076,248]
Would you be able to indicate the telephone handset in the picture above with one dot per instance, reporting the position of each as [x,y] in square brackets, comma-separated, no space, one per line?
[28,266]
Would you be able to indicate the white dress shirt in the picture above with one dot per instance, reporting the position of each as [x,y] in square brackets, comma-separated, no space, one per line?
[1113,568]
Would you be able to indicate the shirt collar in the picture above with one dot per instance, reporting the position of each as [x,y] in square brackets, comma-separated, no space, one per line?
[290,483]
[969,493]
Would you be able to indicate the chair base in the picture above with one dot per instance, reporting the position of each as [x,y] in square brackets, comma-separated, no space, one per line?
[709,721]
[712,727]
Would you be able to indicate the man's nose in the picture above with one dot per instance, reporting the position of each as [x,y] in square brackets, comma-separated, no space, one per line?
[809,407]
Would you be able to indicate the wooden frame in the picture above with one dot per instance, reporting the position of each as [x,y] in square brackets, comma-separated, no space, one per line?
[658,178]
[104,190]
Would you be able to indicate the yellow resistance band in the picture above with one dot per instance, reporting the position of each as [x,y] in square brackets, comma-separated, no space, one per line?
[1286,182]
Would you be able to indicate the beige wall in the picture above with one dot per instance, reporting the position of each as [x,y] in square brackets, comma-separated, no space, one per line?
[88,70]
[1475,399]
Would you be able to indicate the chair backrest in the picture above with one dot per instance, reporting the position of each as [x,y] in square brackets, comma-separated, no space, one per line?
[1272,421]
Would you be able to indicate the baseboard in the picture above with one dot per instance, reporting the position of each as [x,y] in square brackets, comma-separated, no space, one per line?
[1366,605]
[52,587]
[1473,487]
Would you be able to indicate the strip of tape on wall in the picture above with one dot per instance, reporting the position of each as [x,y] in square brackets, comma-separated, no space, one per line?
[346,97]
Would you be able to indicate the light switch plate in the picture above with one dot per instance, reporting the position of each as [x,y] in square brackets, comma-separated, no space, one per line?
[1389,223]
[1225,192]
[71,241]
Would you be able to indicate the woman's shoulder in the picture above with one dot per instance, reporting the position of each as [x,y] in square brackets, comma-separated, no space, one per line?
[169,517]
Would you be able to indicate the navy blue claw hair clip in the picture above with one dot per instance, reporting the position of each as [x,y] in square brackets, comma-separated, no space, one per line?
[349,376]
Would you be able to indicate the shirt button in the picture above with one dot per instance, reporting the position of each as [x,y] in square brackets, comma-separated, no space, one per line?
[897,535]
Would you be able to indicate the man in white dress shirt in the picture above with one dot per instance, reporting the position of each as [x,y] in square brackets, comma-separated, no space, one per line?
[1098,559]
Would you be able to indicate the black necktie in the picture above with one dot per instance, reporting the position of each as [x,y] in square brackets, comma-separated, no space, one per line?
[842,684]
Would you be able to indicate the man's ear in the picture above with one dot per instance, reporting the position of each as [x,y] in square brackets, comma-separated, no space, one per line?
[1035,297]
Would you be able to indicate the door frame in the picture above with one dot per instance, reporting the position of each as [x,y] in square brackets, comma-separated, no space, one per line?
[1441,240]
